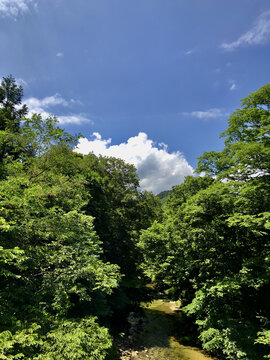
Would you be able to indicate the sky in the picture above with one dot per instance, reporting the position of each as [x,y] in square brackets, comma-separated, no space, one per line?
[152,82]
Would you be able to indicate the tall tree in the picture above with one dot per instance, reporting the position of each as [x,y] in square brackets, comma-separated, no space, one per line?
[10,98]
[10,120]
[247,142]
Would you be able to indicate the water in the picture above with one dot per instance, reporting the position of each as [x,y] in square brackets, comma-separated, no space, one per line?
[166,335]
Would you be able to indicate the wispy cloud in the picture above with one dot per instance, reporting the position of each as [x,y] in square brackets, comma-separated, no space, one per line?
[232,84]
[258,34]
[158,169]
[43,107]
[13,8]
[21,82]
[189,52]
[207,114]
[60,54]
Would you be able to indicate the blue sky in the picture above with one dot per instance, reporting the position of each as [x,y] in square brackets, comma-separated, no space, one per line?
[159,78]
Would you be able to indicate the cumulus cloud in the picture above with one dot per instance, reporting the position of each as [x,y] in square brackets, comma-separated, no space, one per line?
[13,8]
[207,114]
[258,34]
[158,169]
[43,106]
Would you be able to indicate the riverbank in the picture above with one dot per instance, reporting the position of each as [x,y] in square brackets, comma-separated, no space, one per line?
[161,332]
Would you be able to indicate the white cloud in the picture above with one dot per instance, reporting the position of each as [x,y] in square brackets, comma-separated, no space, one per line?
[207,114]
[259,34]
[97,135]
[42,107]
[232,85]
[14,8]
[59,54]
[158,169]
[76,119]
[48,101]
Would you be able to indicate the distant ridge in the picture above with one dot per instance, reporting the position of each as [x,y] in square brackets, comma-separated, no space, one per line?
[163,195]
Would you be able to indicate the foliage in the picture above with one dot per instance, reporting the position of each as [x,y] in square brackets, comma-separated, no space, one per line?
[264,338]
[121,211]
[212,247]
[10,97]
[67,339]
[69,227]
[52,266]
[76,340]
[247,144]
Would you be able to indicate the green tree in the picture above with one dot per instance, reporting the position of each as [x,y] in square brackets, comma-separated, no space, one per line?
[247,143]
[69,228]
[212,247]
[10,97]
[10,119]
[121,211]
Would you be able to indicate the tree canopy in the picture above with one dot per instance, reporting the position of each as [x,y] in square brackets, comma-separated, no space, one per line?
[212,247]
[69,225]
[79,239]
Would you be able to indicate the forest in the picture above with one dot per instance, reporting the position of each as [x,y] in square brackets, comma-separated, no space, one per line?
[79,239]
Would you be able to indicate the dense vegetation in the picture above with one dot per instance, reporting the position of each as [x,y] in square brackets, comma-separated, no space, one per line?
[212,247]
[78,239]
[69,263]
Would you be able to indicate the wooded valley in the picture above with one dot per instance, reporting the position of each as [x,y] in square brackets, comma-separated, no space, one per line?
[79,240]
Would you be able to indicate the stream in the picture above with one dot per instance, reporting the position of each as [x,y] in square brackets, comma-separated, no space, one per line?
[165,335]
